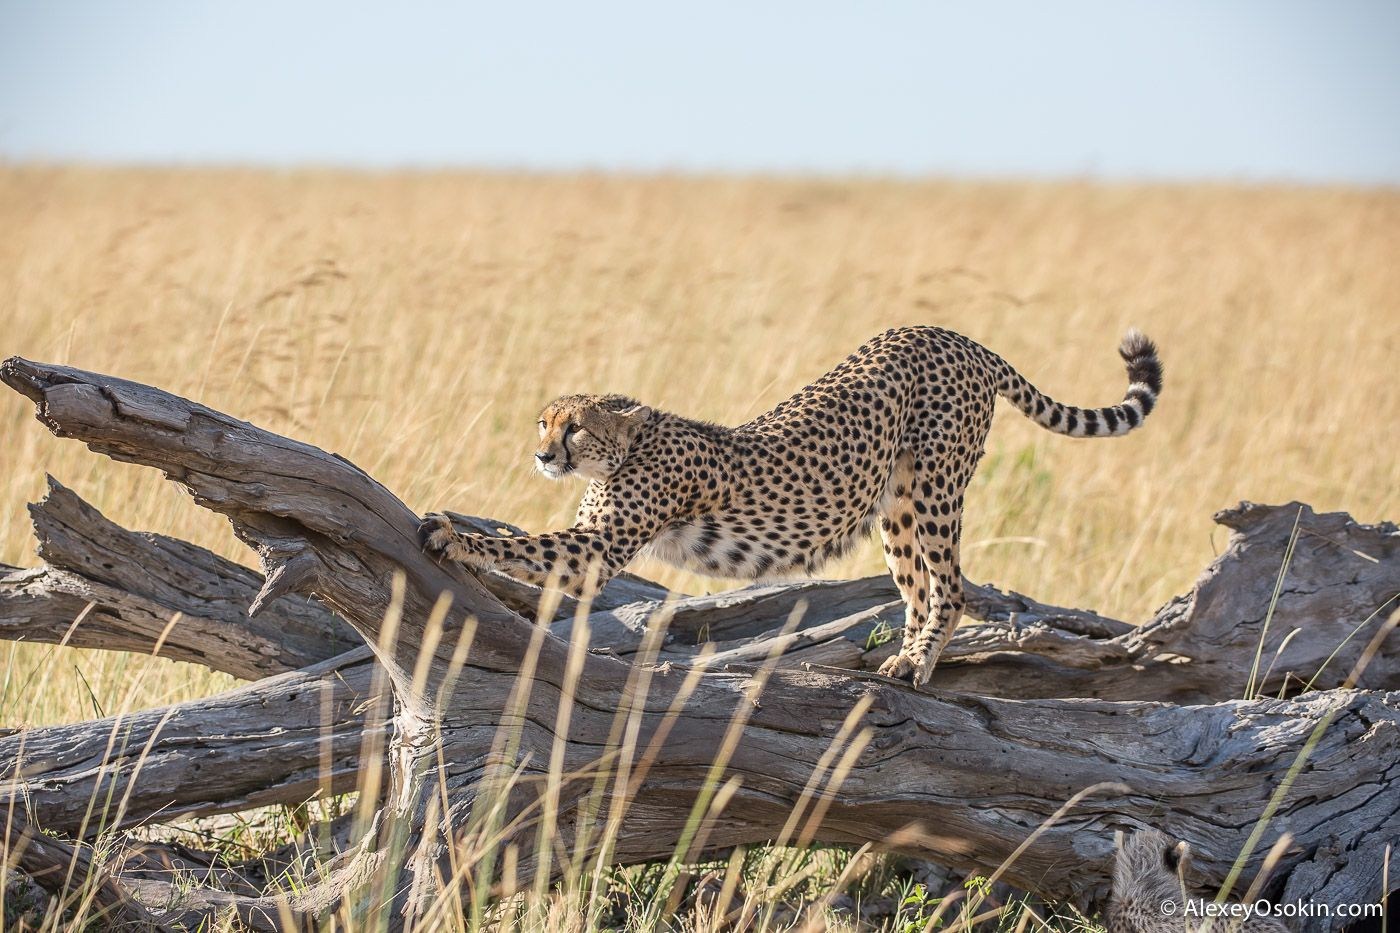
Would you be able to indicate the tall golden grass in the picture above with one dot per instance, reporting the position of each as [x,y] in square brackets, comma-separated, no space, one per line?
[416,322]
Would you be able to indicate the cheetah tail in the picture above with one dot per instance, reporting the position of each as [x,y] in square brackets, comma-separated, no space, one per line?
[1144,385]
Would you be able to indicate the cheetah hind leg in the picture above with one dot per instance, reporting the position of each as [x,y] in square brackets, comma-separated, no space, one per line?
[940,534]
[899,534]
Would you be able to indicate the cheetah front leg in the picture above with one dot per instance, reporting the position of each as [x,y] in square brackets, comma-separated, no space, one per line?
[562,559]
[899,533]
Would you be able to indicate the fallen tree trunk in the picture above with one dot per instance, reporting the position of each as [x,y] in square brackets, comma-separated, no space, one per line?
[61,869]
[983,769]
[127,586]
[1340,583]
[1338,568]
[285,739]
[1032,650]
[1342,578]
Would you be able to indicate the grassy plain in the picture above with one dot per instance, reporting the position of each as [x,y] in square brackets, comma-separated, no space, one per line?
[416,322]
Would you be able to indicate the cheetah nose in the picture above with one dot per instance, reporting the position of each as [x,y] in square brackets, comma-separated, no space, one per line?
[544,458]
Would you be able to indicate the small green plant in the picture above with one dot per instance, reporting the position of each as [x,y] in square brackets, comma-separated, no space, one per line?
[881,634]
[914,910]
[978,884]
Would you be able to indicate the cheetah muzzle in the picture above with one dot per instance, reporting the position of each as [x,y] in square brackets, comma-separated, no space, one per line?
[891,436]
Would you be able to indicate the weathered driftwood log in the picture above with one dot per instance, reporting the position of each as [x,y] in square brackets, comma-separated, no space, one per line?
[61,870]
[1338,569]
[1031,650]
[267,734]
[1201,647]
[1340,584]
[985,771]
[284,739]
[1316,587]
[126,587]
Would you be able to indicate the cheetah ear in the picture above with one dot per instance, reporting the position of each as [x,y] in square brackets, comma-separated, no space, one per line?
[630,421]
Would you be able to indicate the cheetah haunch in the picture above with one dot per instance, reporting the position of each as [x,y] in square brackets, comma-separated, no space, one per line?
[892,433]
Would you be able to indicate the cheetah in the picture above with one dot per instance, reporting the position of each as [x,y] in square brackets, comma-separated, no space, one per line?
[1148,872]
[890,436]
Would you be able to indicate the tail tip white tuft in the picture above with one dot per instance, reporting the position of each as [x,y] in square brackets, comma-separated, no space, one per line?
[1136,345]
[1144,368]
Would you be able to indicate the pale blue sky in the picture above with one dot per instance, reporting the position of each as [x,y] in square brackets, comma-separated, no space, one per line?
[1228,89]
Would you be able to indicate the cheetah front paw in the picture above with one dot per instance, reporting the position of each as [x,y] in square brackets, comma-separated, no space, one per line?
[899,667]
[435,531]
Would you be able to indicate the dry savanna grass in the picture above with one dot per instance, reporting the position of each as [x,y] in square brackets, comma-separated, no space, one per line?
[417,322]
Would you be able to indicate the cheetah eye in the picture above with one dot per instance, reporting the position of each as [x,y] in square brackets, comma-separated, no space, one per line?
[571,430]
[542,425]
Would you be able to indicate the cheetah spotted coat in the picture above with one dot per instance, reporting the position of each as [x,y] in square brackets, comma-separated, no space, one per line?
[890,436]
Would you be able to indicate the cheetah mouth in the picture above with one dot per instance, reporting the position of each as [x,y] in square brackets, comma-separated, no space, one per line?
[556,470]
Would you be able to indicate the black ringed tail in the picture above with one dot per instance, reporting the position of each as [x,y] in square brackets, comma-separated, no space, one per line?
[1144,386]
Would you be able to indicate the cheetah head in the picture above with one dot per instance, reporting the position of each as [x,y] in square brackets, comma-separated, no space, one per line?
[1148,861]
[587,435]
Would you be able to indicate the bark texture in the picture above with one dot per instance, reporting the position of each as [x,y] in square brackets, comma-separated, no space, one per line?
[127,586]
